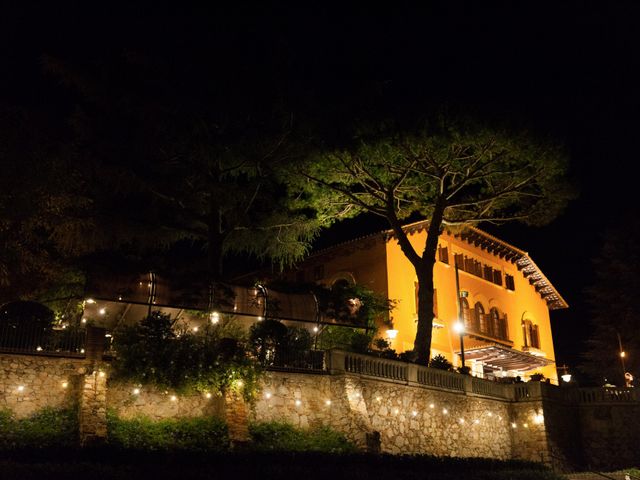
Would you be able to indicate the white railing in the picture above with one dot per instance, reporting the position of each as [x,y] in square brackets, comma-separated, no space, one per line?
[440,379]
[375,367]
[489,388]
[340,362]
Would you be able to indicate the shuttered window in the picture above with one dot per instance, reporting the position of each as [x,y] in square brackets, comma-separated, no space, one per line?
[443,254]
[509,282]
[531,334]
[466,314]
[480,319]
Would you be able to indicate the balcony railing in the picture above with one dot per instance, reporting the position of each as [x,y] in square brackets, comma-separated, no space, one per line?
[486,324]
[297,361]
[38,340]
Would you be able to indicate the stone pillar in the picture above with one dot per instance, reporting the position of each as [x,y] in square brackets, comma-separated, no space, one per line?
[335,360]
[236,414]
[94,345]
[93,407]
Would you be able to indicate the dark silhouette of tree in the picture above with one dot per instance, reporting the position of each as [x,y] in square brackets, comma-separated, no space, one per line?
[613,308]
[168,158]
[37,194]
[452,173]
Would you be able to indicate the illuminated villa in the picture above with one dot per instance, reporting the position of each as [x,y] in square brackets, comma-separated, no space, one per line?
[505,298]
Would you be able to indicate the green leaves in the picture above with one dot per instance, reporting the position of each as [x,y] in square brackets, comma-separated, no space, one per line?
[284,437]
[200,434]
[155,352]
[47,428]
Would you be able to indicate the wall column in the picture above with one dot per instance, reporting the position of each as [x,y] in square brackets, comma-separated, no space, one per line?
[236,414]
[93,407]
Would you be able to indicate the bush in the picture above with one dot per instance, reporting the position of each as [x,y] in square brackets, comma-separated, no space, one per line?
[47,428]
[201,434]
[441,363]
[153,352]
[280,436]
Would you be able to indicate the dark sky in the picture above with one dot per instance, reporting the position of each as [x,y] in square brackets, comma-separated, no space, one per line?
[568,71]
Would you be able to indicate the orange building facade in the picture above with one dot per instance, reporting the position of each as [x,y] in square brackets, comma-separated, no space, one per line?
[504,298]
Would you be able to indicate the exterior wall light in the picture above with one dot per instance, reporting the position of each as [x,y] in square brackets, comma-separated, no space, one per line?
[566,377]
[392,334]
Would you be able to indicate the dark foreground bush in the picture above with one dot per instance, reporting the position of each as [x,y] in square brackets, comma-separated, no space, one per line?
[104,464]
[47,428]
[283,437]
[201,434]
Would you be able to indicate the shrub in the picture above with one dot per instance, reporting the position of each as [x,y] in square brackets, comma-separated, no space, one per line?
[536,377]
[201,434]
[153,352]
[47,428]
[280,436]
[441,363]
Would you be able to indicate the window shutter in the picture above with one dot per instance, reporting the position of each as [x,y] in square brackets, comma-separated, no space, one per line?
[435,302]
[468,265]
[509,283]
[443,254]
[488,273]
[535,336]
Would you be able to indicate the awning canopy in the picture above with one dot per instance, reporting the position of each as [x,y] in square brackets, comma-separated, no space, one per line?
[505,358]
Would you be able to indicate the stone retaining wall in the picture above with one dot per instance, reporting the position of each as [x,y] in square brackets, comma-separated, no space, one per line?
[531,421]
[30,383]
[408,420]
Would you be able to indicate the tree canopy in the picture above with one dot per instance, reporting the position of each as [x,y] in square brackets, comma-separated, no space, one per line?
[611,301]
[453,174]
[166,161]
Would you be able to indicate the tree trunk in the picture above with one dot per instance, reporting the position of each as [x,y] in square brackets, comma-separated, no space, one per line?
[424,272]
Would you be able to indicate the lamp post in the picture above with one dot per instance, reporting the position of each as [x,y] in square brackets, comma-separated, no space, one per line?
[459,325]
[622,357]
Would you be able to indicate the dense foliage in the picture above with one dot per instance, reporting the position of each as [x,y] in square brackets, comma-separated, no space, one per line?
[280,436]
[47,428]
[201,434]
[453,173]
[614,314]
[156,351]
[441,363]
[346,304]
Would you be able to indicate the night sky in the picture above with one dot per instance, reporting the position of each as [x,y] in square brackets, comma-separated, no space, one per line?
[569,72]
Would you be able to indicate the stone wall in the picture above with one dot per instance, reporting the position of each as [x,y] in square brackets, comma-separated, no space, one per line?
[30,383]
[129,400]
[563,427]
[407,419]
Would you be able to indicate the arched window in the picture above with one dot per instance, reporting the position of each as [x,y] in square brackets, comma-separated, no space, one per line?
[531,334]
[466,317]
[480,319]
